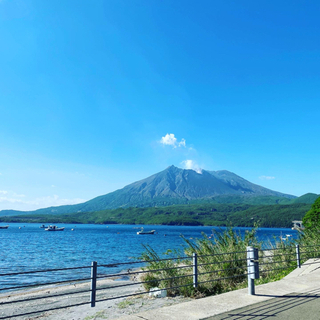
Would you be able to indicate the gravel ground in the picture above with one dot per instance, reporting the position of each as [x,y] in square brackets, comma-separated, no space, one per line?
[109,309]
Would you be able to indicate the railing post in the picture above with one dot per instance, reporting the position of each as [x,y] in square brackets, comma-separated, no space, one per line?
[253,268]
[195,270]
[93,283]
[298,256]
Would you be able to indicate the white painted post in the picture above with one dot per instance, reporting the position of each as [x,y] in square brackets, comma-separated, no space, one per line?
[195,270]
[252,267]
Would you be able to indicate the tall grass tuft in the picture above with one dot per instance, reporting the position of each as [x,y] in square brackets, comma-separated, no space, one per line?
[277,261]
[170,274]
[309,242]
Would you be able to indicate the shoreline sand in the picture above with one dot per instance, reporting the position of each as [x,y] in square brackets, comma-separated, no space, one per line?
[108,309]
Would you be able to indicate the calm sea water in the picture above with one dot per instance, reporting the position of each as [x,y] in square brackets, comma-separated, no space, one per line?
[26,247]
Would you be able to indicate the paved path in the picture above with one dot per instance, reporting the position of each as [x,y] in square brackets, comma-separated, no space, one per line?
[294,306]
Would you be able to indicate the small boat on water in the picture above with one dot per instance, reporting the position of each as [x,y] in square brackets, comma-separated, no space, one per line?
[54,228]
[43,226]
[4,227]
[146,232]
[286,238]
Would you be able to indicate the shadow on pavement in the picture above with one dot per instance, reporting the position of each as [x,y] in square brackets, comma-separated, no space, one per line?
[292,306]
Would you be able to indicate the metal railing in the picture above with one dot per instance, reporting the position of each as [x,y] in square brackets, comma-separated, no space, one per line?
[172,274]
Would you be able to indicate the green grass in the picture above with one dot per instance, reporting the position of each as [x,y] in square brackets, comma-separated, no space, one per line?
[98,315]
[125,304]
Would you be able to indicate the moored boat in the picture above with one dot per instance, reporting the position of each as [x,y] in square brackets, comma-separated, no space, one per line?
[54,228]
[4,227]
[146,232]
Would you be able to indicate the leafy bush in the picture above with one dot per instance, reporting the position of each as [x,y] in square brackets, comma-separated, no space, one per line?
[311,220]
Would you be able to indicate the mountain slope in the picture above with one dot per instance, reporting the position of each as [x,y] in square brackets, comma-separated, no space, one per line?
[170,186]
[245,187]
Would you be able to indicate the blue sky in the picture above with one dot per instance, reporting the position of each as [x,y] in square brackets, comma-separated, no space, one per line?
[95,95]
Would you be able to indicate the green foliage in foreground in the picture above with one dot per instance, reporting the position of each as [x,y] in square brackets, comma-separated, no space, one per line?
[240,215]
[311,220]
[222,264]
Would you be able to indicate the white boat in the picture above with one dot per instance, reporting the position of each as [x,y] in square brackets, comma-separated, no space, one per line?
[54,228]
[286,238]
[146,232]
[4,227]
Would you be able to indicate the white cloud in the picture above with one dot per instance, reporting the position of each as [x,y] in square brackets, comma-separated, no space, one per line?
[171,140]
[13,201]
[18,195]
[266,178]
[52,201]
[182,143]
[191,165]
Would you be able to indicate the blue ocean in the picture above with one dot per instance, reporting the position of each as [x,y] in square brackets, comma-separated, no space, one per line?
[27,247]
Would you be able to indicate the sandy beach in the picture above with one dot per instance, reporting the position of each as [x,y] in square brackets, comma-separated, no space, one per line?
[109,309]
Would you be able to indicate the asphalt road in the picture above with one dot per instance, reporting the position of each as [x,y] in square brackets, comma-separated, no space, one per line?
[295,306]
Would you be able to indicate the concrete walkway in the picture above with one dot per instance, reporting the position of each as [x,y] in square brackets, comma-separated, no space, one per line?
[294,297]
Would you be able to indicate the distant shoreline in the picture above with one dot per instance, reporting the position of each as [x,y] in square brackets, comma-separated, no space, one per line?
[268,212]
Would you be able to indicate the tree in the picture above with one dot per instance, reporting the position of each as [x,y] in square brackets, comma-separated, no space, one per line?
[311,220]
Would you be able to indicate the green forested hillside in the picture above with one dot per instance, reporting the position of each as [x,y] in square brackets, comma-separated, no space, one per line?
[278,215]
[175,186]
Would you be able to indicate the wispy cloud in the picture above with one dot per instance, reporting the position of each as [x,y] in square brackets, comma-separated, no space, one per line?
[54,200]
[170,140]
[182,143]
[18,195]
[191,165]
[11,200]
[266,178]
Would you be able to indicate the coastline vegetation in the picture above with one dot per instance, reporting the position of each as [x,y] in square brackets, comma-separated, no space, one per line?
[202,214]
[224,258]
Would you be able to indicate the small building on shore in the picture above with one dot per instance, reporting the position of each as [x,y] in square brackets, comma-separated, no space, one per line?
[297,225]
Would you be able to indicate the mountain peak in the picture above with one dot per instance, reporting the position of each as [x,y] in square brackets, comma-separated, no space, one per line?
[174,168]
[172,186]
